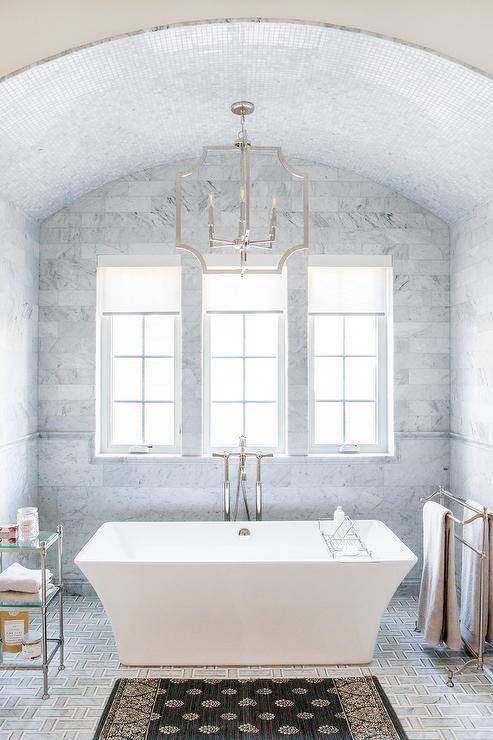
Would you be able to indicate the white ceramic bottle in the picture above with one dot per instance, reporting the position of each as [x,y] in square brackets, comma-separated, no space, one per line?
[339,529]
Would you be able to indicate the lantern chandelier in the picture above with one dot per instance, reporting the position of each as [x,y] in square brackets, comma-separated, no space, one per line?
[292,187]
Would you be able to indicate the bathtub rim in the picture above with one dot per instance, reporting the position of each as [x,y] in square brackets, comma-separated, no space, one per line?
[405,554]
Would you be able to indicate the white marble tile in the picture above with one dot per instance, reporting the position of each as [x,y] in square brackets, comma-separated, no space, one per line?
[19,255]
[471,355]
[358,217]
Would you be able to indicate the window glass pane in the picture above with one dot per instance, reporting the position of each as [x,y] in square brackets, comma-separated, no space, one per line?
[360,378]
[226,424]
[261,381]
[261,334]
[328,423]
[361,335]
[261,424]
[360,423]
[160,335]
[127,335]
[226,334]
[328,332]
[127,379]
[328,378]
[127,424]
[159,379]
[159,423]
[227,380]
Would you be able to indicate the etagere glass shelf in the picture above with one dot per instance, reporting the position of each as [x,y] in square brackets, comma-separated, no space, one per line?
[49,592]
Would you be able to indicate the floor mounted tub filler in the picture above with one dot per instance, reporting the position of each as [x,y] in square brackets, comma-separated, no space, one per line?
[241,593]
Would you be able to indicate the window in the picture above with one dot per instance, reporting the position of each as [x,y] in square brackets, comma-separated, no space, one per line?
[139,301]
[244,361]
[349,331]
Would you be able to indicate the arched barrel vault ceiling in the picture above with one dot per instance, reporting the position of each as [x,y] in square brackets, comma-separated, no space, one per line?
[416,122]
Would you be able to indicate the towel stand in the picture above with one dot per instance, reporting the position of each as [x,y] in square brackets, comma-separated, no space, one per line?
[479,513]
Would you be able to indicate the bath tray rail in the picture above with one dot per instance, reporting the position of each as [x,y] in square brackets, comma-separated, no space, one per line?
[345,541]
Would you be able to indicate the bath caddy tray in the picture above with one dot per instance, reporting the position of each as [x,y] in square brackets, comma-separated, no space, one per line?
[344,542]
[50,645]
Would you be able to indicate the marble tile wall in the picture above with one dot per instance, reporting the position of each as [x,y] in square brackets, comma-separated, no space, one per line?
[135,215]
[472,355]
[83,494]
[19,254]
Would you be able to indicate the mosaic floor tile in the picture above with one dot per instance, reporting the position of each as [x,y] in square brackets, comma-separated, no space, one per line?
[413,678]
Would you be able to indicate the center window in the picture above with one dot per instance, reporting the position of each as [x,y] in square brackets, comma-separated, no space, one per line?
[244,361]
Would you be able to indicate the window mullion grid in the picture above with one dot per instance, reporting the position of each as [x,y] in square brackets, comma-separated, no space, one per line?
[108,375]
[244,357]
[377,381]
[143,379]
[344,379]
[141,357]
[108,382]
[244,375]
[379,395]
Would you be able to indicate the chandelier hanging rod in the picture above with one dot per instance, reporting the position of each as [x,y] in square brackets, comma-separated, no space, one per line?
[242,242]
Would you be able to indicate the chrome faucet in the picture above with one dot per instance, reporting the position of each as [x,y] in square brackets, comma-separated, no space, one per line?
[242,456]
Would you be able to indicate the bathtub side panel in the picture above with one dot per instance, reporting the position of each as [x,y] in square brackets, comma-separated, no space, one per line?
[245,613]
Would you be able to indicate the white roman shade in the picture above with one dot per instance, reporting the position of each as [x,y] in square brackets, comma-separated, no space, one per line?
[251,292]
[349,285]
[138,285]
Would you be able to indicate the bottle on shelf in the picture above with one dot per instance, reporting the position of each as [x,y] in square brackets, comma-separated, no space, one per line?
[340,527]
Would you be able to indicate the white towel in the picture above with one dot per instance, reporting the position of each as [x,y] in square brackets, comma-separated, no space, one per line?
[18,597]
[438,611]
[470,580]
[18,578]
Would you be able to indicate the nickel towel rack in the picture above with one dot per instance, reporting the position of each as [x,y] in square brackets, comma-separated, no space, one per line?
[479,512]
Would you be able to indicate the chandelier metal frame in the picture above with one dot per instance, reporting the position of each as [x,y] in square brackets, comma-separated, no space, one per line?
[242,242]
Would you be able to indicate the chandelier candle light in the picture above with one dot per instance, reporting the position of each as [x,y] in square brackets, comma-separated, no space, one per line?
[243,240]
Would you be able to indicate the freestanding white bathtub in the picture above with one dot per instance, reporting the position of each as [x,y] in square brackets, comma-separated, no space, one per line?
[197,593]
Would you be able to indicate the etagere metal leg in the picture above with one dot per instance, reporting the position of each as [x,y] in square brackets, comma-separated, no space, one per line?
[451,672]
[60,604]
[44,621]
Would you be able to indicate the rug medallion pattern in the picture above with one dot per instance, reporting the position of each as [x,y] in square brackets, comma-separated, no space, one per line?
[336,708]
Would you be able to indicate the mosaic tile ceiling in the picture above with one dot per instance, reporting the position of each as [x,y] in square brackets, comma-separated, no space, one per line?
[420,124]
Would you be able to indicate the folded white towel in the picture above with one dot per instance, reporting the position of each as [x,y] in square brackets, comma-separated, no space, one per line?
[18,597]
[438,612]
[18,578]
[471,577]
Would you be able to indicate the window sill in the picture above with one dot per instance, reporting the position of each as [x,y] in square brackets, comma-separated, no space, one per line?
[149,456]
[349,455]
[276,460]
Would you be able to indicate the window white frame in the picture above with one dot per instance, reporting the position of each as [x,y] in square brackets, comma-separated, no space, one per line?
[104,355]
[381,388]
[106,385]
[281,401]
[384,366]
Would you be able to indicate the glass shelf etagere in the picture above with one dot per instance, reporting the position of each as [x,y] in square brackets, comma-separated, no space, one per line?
[49,592]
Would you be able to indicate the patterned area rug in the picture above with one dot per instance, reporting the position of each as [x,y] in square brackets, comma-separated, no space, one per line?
[338,708]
